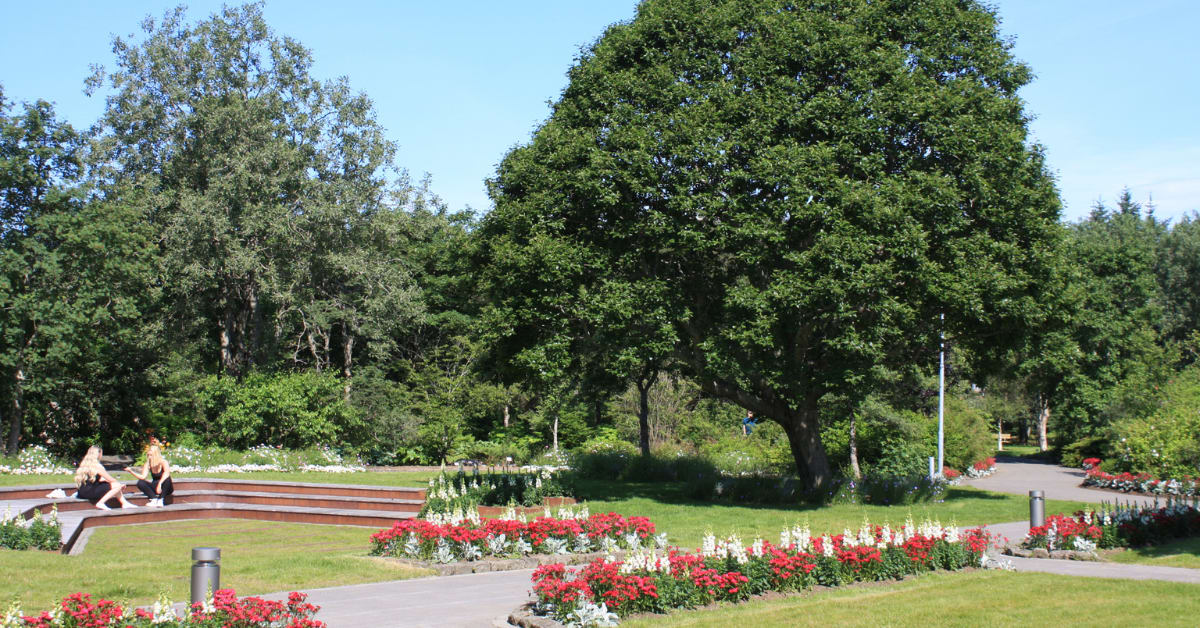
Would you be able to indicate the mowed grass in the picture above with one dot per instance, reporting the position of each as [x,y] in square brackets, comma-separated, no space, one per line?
[1182,553]
[685,521]
[977,598]
[136,563]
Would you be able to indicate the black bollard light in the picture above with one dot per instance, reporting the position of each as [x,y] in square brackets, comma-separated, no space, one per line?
[206,572]
[1037,509]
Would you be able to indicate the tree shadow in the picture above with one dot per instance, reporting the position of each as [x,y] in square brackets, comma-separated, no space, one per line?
[676,493]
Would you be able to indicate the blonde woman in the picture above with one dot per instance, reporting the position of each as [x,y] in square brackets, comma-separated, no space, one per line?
[155,478]
[95,484]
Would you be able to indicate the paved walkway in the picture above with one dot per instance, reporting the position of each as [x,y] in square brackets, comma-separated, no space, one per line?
[1015,475]
[466,601]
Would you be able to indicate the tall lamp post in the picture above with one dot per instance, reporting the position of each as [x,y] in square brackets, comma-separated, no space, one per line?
[942,398]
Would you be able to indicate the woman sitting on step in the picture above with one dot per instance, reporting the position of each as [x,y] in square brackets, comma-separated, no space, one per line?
[155,477]
[95,484]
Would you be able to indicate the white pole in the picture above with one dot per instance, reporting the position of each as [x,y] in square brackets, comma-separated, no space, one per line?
[941,463]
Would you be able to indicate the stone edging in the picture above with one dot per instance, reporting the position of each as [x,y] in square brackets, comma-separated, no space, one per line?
[524,618]
[505,564]
[1041,552]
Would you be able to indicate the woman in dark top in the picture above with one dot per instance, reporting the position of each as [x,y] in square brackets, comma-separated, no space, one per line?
[155,477]
[95,484]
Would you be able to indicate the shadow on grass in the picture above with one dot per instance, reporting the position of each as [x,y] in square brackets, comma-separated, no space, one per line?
[675,493]
[1174,548]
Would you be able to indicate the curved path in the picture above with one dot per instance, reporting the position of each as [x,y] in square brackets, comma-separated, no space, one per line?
[1019,476]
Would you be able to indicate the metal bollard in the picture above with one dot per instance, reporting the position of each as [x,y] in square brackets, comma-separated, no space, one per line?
[206,572]
[1037,509]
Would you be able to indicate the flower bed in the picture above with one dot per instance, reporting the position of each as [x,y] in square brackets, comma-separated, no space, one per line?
[260,458]
[1090,463]
[469,540]
[1115,527]
[1142,483]
[982,469]
[224,609]
[460,491]
[35,460]
[18,533]
[726,570]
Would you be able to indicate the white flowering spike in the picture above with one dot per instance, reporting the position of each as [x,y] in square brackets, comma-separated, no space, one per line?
[12,617]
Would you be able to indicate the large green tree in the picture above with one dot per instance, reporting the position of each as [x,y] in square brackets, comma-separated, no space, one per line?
[74,287]
[269,190]
[797,191]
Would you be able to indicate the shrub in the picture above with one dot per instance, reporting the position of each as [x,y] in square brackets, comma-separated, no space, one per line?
[293,410]
[44,533]
[886,490]
[513,450]
[603,459]
[968,436]
[765,452]
[1087,447]
[1167,441]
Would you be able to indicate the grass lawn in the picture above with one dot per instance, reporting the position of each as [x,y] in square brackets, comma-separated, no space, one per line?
[685,521]
[978,598]
[1018,451]
[1181,553]
[135,563]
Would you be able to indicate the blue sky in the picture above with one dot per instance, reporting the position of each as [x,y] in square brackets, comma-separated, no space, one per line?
[457,84]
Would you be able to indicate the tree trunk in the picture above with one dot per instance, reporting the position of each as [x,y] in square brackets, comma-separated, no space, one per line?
[804,436]
[18,411]
[227,360]
[645,380]
[347,358]
[312,348]
[1043,420]
[854,447]
[256,323]
[555,433]
[18,395]
[506,416]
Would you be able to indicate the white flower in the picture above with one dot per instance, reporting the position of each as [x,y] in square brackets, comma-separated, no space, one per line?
[589,615]
[12,617]
[163,611]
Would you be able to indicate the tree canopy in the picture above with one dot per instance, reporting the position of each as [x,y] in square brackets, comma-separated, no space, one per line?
[786,196]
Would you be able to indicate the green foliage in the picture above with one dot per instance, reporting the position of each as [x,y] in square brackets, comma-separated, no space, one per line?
[462,492]
[43,533]
[1165,442]
[969,437]
[764,451]
[1179,275]
[888,490]
[744,178]
[292,410]
[73,289]
[1086,447]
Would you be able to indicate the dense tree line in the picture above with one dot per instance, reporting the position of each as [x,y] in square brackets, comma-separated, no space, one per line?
[748,207]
